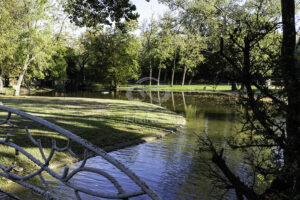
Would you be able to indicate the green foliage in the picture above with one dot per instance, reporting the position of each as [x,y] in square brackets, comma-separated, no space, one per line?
[263,182]
[57,66]
[30,49]
[191,46]
[10,28]
[149,39]
[94,13]
[113,56]
[245,37]
[72,69]
[164,43]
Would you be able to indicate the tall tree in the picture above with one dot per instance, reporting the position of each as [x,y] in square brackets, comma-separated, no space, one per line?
[10,20]
[149,33]
[114,54]
[56,67]
[35,41]
[175,42]
[191,46]
[291,78]
[250,36]
[164,48]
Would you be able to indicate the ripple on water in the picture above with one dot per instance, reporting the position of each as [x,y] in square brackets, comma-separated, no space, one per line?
[170,165]
[162,164]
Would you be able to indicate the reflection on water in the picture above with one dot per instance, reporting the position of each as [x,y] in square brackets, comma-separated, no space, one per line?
[171,165]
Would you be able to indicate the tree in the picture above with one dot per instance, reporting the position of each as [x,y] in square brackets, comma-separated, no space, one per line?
[114,55]
[72,69]
[82,56]
[164,48]
[250,40]
[94,13]
[175,42]
[57,65]
[191,46]
[208,18]
[10,26]
[35,41]
[290,75]
[149,33]
[253,39]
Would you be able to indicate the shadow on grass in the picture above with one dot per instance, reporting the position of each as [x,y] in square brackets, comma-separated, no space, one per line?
[85,118]
[102,122]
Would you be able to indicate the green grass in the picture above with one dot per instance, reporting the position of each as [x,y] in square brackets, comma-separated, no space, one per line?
[102,122]
[203,88]
[179,88]
[185,88]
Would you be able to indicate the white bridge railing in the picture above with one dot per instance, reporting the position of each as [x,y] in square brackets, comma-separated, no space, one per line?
[66,176]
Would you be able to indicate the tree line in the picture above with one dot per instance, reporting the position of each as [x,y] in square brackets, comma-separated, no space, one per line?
[246,42]
[36,47]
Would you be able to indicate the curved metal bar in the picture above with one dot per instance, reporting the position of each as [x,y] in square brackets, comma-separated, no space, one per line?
[6,121]
[66,176]
[97,171]
[32,187]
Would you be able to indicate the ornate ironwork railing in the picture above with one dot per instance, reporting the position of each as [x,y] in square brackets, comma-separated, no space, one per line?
[66,176]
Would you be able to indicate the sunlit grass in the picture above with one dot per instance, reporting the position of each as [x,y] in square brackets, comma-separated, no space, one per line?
[185,88]
[202,88]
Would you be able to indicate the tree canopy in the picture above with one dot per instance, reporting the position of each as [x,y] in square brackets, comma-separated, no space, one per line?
[92,13]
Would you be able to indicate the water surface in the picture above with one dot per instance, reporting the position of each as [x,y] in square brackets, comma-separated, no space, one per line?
[171,166]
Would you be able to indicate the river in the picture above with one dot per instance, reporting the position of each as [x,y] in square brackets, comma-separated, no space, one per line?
[171,166]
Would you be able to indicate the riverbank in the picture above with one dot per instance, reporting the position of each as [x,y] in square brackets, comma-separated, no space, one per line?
[109,124]
[9,91]
[201,88]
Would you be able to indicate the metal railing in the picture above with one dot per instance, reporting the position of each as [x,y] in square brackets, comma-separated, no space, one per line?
[67,175]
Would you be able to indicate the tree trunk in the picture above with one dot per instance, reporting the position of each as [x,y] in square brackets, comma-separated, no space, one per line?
[242,86]
[173,75]
[21,77]
[159,73]
[19,82]
[173,70]
[233,86]
[150,76]
[1,85]
[82,71]
[116,86]
[166,75]
[183,77]
[6,81]
[292,86]
[191,80]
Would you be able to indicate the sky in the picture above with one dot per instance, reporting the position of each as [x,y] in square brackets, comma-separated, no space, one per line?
[145,9]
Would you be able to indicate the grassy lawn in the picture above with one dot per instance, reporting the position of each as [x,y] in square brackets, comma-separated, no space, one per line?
[175,88]
[203,88]
[102,122]
[185,88]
